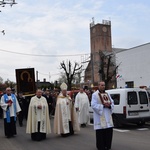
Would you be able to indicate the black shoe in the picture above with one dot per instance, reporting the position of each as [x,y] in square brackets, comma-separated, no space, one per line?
[83,125]
[65,135]
[20,124]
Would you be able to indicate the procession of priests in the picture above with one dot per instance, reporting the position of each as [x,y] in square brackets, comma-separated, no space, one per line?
[69,114]
[82,107]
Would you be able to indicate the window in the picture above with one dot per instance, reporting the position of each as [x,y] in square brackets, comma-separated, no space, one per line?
[143,98]
[130,84]
[116,98]
[132,98]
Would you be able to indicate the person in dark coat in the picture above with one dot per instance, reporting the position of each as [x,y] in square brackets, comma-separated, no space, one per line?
[22,103]
[49,100]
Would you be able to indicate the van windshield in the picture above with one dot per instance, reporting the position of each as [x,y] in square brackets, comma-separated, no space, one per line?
[132,98]
[143,97]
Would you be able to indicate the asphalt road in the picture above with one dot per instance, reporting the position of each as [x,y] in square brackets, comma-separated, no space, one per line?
[127,138]
[85,139]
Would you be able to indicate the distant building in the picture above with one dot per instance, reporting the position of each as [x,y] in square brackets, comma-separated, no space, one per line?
[100,40]
[44,85]
[134,69]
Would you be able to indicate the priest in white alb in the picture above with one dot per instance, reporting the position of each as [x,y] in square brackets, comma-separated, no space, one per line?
[38,122]
[11,108]
[82,107]
[65,119]
[102,105]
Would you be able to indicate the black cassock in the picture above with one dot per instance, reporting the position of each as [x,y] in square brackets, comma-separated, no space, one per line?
[71,131]
[10,127]
[38,136]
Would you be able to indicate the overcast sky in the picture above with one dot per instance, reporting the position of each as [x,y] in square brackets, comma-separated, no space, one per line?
[36,28]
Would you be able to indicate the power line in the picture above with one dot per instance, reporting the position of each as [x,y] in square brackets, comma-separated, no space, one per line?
[43,73]
[49,74]
[42,55]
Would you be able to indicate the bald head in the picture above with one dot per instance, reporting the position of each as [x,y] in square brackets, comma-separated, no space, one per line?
[39,92]
[8,90]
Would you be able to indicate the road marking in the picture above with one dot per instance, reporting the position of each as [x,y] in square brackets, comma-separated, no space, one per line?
[142,129]
[121,130]
[91,124]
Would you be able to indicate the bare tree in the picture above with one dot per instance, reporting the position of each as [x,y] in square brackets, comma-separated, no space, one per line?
[77,77]
[108,68]
[7,83]
[62,77]
[1,80]
[70,71]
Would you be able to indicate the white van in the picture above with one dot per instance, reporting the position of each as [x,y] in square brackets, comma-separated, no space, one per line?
[131,105]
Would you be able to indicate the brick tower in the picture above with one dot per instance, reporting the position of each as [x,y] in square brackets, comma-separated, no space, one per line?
[100,40]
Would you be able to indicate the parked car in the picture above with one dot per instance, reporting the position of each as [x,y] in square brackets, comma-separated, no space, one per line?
[131,105]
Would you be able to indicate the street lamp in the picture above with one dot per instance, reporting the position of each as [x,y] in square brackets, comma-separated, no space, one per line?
[3,32]
[5,2]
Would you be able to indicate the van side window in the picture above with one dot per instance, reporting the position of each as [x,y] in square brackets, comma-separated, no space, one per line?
[143,97]
[132,98]
[116,98]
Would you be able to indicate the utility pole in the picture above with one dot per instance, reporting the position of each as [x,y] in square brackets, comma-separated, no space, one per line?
[37,76]
[49,76]
[37,79]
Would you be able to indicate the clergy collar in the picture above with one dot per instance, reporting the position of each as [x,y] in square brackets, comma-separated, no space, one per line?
[101,91]
[38,97]
[9,94]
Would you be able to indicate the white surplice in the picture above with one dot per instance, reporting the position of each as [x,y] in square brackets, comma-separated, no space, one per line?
[64,113]
[13,109]
[36,115]
[82,103]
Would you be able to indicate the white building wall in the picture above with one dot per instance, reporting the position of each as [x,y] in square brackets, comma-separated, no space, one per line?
[134,66]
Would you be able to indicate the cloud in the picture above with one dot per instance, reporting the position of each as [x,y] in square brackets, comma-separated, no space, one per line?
[62,28]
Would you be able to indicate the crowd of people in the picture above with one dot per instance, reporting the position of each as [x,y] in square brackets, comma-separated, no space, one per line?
[69,113]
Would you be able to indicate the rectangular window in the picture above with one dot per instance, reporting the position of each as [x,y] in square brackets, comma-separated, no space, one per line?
[129,84]
[132,98]
[143,97]
[116,98]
